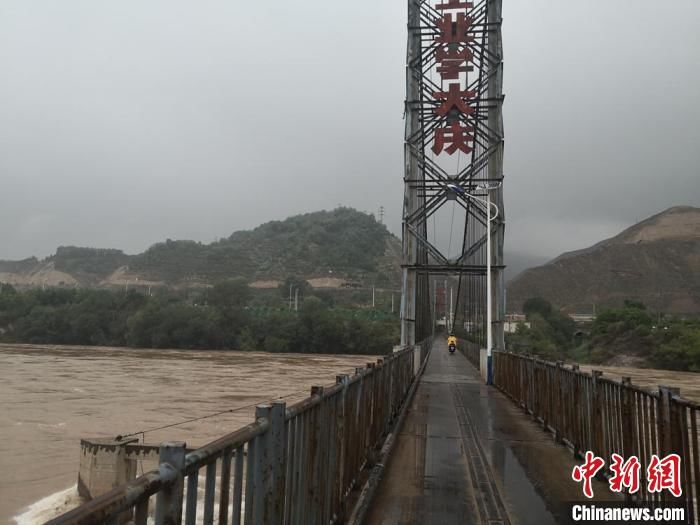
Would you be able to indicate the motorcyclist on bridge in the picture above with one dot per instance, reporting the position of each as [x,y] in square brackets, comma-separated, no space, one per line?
[451,343]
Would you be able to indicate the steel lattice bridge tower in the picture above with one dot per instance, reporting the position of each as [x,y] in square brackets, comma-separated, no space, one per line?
[453,156]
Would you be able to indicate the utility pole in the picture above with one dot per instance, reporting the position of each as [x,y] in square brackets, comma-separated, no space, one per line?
[495,173]
[392,302]
[489,298]
[296,299]
[372,296]
[381,214]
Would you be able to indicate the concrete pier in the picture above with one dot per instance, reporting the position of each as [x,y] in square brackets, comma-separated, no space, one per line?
[104,464]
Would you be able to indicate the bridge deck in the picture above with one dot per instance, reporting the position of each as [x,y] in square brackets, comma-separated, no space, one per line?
[466,454]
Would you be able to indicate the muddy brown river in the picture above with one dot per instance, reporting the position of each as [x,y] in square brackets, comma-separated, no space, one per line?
[52,396]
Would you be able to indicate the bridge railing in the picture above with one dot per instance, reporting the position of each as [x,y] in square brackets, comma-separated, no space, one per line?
[293,465]
[471,351]
[589,412]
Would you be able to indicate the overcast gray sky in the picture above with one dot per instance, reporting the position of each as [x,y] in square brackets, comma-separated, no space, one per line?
[123,123]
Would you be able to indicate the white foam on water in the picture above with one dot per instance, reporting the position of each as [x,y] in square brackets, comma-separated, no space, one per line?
[51,426]
[50,507]
[68,499]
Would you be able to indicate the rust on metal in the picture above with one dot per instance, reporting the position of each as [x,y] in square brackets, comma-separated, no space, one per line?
[118,499]
[591,412]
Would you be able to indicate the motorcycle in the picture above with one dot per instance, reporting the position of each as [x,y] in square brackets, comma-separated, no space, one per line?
[452,348]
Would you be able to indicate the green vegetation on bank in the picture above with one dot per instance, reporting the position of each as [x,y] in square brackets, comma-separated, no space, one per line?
[102,262]
[630,332]
[226,316]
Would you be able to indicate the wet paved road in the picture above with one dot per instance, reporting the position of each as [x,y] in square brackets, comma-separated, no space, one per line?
[466,455]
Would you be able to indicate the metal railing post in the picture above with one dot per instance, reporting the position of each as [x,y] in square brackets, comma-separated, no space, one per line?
[262,468]
[596,413]
[627,423]
[664,420]
[278,442]
[314,512]
[341,453]
[169,500]
[668,435]
[271,462]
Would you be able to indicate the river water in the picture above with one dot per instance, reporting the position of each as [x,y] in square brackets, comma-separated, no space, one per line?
[51,396]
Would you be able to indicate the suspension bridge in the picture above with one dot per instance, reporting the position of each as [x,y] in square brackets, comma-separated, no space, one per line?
[421,436]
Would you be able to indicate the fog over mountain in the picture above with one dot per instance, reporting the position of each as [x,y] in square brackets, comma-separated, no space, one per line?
[125,123]
[656,261]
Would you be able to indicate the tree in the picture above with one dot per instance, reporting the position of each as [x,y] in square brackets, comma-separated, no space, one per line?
[551,333]
[231,294]
[537,305]
[169,320]
[637,305]
[7,289]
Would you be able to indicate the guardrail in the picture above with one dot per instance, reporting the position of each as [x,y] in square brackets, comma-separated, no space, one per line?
[471,351]
[293,465]
[589,412]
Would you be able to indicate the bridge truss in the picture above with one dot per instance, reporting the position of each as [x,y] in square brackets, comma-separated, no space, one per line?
[453,157]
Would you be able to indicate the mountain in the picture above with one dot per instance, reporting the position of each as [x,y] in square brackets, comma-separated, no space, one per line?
[330,247]
[518,262]
[656,261]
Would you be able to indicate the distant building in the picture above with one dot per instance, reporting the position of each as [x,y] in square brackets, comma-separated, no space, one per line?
[510,327]
[583,318]
[515,318]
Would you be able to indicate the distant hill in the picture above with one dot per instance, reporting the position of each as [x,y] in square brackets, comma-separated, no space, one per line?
[517,262]
[342,245]
[656,261]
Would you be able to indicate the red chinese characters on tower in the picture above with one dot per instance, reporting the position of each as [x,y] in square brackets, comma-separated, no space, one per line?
[453,138]
[453,62]
[453,31]
[453,55]
[453,5]
[455,99]
[453,58]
